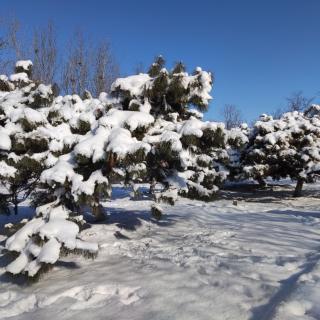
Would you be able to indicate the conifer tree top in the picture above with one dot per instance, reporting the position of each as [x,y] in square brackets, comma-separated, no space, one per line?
[165,91]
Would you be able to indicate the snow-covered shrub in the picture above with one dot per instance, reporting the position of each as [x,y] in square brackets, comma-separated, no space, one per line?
[285,147]
[187,156]
[22,75]
[237,140]
[39,243]
[6,84]
[313,110]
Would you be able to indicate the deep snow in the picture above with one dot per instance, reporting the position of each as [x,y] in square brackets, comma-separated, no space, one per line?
[255,259]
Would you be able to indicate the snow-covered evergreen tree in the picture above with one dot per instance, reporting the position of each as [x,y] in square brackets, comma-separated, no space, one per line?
[83,175]
[285,147]
[146,130]
[163,93]
[187,154]
[237,140]
[23,146]
[187,157]
[32,139]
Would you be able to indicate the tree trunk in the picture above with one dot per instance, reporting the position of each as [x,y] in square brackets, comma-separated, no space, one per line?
[98,212]
[111,161]
[152,186]
[97,208]
[16,209]
[15,203]
[298,189]
[261,182]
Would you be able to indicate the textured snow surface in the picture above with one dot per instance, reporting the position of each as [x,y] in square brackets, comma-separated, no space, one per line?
[256,260]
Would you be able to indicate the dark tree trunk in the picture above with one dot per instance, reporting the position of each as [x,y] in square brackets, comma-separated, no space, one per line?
[16,210]
[298,189]
[15,204]
[97,208]
[152,186]
[97,211]
[111,161]
[261,182]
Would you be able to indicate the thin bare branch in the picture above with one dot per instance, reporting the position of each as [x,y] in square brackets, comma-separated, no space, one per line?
[232,116]
[45,54]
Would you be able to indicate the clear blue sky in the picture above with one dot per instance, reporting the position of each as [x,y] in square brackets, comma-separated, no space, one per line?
[259,51]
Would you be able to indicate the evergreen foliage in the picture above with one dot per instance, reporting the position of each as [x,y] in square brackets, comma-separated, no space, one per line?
[64,153]
[285,147]
[164,92]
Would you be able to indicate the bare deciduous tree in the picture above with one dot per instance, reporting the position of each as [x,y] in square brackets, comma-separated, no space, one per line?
[75,74]
[44,54]
[10,44]
[14,41]
[106,70]
[140,68]
[278,113]
[3,46]
[232,116]
[85,67]
[298,102]
[88,68]
[3,38]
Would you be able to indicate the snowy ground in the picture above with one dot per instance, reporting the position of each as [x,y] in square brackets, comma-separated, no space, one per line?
[259,259]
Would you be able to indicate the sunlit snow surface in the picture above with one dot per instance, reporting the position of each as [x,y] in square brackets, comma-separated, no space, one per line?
[259,259]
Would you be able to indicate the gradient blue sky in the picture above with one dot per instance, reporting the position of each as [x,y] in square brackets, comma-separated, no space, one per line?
[259,51]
